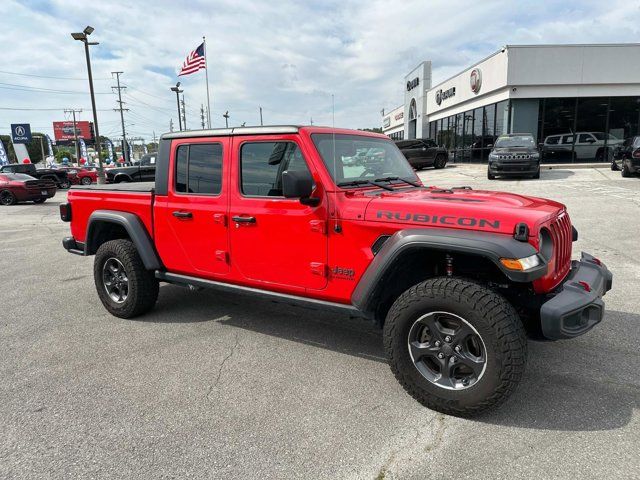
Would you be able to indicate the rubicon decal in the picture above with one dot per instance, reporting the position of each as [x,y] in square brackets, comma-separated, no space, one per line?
[451,220]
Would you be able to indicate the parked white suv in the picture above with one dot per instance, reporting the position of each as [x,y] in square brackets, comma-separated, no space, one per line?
[588,146]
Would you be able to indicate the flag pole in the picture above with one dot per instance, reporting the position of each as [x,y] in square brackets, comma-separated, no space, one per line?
[206,72]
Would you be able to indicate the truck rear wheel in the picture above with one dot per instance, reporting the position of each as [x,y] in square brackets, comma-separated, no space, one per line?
[125,287]
[455,346]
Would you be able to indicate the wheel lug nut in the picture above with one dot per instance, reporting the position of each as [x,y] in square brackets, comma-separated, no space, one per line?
[458,348]
[437,344]
[453,359]
[447,339]
[441,355]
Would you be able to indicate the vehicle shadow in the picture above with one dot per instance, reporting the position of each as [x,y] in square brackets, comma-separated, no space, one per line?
[328,330]
[545,174]
[560,390]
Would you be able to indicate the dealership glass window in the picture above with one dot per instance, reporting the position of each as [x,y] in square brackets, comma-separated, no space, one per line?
[624,114]
[459,130]
[468,129]
[559,119]
[502,118]
[592,142]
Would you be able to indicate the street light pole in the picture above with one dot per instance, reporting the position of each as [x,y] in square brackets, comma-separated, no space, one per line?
[178,92]
[83,37]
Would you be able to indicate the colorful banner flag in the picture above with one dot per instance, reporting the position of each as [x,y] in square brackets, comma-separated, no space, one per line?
[4,158]
[110,150]
[49,145]
[83,151]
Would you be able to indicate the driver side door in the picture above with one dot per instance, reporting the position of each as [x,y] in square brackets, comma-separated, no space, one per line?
[276,242]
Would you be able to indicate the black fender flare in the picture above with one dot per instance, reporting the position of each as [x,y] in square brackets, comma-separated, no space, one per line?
[134,227]
[492,246]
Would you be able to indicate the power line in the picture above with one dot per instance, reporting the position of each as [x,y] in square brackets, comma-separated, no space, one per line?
[25,109]
[46,76]
[15,86]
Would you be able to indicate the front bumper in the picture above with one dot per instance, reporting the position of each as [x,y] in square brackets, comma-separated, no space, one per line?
[514,168]
[577,305]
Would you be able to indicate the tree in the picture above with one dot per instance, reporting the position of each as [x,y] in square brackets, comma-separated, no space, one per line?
[35,148]
[374,129]
[8,146]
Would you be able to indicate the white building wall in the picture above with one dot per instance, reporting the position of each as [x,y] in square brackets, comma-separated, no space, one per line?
[417,93]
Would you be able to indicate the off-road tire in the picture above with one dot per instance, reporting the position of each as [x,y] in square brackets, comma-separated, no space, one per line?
[536,176]
[142,285]
[625,171]
[614,166]
[440,162]
[7,198]
[497,324]
[490,176]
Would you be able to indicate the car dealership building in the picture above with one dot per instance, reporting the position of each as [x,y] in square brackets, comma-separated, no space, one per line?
[578,101]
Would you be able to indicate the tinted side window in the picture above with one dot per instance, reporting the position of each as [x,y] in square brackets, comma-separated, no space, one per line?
[567,139]
[430,143]
[262,164]
[585,138]
[552,140]
[199,168]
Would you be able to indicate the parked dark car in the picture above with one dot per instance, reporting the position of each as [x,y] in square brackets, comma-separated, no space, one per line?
[59,177]
[142,171]
[626,157]
[18,187]
[423,153]
[514,154]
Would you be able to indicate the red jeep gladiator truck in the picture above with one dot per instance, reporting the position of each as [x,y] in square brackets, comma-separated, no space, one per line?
[457,278]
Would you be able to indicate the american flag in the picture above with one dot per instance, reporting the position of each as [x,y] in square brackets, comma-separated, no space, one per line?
[194,62]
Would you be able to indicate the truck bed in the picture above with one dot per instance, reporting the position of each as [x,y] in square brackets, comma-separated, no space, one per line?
[136,198]
[146,187]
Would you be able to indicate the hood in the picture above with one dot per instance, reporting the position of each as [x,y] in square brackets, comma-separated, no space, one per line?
[467,209]
[515,150]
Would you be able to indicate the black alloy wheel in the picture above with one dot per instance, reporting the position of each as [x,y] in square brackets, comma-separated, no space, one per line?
[85,180]
[447,350]
[115,280]
[7,198]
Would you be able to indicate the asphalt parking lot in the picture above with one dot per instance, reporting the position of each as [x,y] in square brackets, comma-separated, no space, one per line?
[213,385]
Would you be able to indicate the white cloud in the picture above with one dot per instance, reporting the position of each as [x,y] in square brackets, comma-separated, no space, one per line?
[288,57]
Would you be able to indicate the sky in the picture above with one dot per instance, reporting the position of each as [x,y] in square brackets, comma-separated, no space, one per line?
[287,57]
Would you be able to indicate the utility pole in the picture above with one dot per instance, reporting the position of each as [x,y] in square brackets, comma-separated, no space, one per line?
[184,113]
[202,116]
[311,120]
[154,140]
[125,150]
[75,132]
[226,118]
[171,124]
[260,116]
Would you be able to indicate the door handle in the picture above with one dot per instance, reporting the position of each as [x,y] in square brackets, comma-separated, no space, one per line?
[239,219]
[179,214]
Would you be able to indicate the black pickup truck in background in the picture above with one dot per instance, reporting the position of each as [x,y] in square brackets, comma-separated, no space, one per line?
[142,171]
[60,177]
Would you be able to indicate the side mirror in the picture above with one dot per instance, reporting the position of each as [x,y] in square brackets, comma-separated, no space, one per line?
[299,184]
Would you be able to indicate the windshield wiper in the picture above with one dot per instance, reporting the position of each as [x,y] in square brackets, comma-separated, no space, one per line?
[356,183]
[391,179]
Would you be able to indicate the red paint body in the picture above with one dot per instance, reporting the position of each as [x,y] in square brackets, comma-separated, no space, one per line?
[76,178]
[293,248]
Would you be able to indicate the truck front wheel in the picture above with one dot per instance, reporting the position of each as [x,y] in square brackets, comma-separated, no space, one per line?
[125,287]
[455,346]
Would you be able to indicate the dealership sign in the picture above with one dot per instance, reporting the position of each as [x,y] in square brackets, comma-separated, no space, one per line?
[20,132]
[442,95]
[64,131]
[411,84]
[475,80]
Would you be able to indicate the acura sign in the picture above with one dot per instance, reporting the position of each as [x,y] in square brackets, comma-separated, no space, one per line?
[20,132]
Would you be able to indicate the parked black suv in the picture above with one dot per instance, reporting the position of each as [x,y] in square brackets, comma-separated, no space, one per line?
[627,157]
[60,177]
[142,171]
[423,153]
[514,154]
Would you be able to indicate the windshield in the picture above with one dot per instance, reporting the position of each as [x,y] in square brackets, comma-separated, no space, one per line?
[361,158]
[511,141]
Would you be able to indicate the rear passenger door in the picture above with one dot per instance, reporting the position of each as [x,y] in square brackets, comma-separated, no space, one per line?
[191,224]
